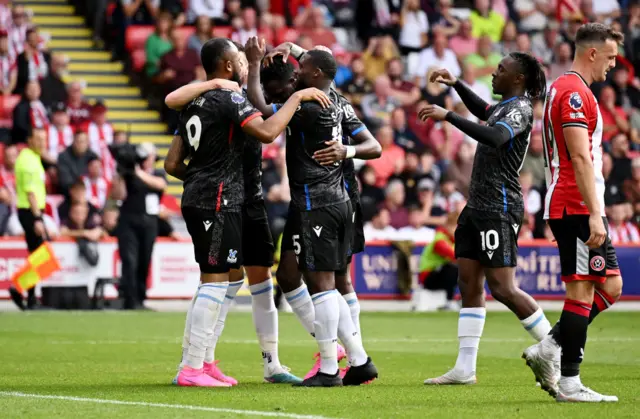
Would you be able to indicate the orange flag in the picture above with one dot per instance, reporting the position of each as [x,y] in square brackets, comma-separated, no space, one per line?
[40,265]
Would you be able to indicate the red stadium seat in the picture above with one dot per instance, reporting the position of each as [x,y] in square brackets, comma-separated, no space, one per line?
[222,31]
[7,103]
[186,31]
[136,36]
[138,59]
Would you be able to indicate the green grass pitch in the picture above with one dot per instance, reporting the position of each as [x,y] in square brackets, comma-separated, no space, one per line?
[107,365]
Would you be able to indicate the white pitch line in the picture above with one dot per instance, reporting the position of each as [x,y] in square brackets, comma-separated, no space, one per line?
[159,405]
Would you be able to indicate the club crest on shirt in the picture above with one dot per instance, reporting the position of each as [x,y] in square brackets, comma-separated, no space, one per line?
[237,98]
[575,101]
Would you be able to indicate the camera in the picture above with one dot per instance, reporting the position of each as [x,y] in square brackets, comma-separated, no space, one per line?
[128,156]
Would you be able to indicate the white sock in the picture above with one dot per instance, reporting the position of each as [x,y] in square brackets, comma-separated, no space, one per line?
[327,309]
[301,304]
[232,290]
[265,320]
[187,331]
[470,325]
[537,325]
[204,315]
[349,336]
[354,308]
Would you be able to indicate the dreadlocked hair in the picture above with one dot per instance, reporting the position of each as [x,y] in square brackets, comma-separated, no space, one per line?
[534,78]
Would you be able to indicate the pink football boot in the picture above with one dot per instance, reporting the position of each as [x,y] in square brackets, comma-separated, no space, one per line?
[189,377]
[213,371]
[316,367]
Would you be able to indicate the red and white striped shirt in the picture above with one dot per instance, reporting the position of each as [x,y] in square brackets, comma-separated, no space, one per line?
[38,115]
[626,232]
[97,190]
[5,17]
[100,137]
[17,39]
[58,139]
[8,180]
[8,66]
[38,67]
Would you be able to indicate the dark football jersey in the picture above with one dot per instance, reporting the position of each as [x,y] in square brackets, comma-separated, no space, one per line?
[351,125]
[211,125]
[495,184]
[311,184]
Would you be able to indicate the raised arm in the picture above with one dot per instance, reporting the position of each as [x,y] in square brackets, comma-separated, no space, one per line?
[254,50]
[473,102]
[181,97]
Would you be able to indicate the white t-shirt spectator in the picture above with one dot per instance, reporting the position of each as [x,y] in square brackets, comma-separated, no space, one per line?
[603,7]
[242,35]
[372,233]
[478,88]
[428,59]
[423,234]
[211,8]
[415,25]
[536,21]
[532,202]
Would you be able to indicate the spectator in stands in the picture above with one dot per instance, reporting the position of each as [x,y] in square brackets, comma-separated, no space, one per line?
[508,42]
[631,22]
[402,135]
[74,161]
[438,56]
[533,14]
[613,192]
[213,9]
[96,183]
[526,228]
[485,61]
[394,203]
[79,225]
[158,44]
[370,194]
[523,43]
[202,34]
[359,86]
[447,198]
[534,160]
[248,28]
[54,89]
[562,60]
[8,66]
[415,231]
[33,64]
[28,113]
[275,185]
[288,8]
[460,168]
[344,73]
[442,18]
[7,187]
[78,108]
[120,137]
[379,52]
[101,135]
[379,227]
[77,195]
[605,11]
[404,91]
[59,133]
[433,214]
[621,167]
[438,269]
[621,230]
[18,29]
[5,14]
[614,118]
[414,27]
[410,177]
[631,187]
[464,43]
[544,44]
[436,93]
[530,195]
[485,21]
[627,95]
[377,106]
[392,159]
[478,87]
[429,167]
[312,21]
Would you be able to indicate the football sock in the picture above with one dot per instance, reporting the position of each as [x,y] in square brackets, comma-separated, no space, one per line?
[187,330]
[265,320]
[204,316]
[354,308]
[537,325]
[232,290]
[574,322]
[601,302]
[349,335]
[301,304]
[327,315]
[470,326]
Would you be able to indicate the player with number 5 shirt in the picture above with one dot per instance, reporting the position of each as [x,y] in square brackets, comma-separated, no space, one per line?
[487,233]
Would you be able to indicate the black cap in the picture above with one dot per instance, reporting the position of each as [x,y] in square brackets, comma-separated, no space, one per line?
[59,107]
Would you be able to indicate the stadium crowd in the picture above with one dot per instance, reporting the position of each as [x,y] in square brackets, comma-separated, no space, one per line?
[386,50]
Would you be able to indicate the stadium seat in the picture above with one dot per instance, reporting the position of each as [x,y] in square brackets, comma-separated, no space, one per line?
[186,31]
[138,59]
[136,36]
[222,31]
[7,103]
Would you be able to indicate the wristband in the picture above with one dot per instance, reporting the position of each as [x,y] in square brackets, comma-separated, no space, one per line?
[37,217]
[351,151]
[297,51]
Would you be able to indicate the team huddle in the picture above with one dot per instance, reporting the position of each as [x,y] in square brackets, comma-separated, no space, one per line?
[222,129]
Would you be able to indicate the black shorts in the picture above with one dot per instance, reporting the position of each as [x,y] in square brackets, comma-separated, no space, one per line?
[217,239]
[27,221]
[577,261]
[320,238]
[357,239]
[488,237]
[257,242]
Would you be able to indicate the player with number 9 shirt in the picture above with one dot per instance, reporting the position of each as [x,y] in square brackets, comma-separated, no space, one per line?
[487,233]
